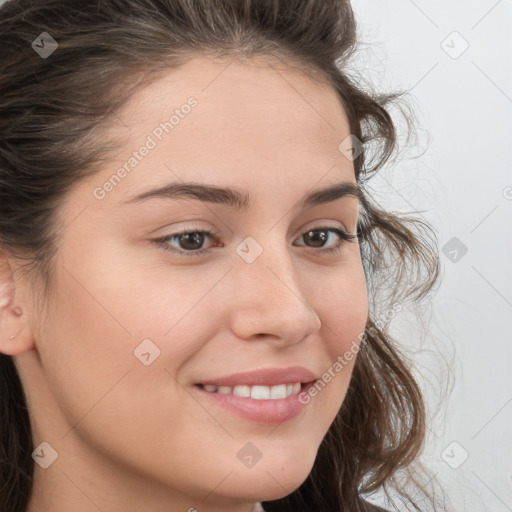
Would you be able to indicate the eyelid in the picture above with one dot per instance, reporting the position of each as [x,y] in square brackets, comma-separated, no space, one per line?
[325,224]
[345,235]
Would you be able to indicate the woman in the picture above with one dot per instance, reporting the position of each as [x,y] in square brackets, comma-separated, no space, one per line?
[190,262]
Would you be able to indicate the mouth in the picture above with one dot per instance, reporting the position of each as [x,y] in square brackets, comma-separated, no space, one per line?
[277,392]
[269,396]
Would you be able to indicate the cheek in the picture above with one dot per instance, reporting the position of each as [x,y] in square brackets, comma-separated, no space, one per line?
[85,349]
[99,386]
[343,309]
[114,314]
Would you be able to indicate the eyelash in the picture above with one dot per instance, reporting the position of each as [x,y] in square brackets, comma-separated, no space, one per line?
[162,242]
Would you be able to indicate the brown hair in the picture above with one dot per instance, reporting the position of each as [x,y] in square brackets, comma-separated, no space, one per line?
[52,113]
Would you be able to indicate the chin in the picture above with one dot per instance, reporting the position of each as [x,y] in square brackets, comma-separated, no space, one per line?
[273,478]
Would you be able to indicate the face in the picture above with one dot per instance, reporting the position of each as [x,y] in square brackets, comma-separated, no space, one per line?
[136,372]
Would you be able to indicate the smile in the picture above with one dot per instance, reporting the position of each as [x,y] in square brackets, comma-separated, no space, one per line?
[256,392]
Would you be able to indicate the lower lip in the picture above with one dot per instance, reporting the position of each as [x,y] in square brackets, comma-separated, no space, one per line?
[266,412]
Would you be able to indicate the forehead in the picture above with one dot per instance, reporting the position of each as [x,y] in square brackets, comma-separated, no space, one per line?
[255,122]
[239,97]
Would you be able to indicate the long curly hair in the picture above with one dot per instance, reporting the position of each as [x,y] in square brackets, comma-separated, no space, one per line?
[52,115]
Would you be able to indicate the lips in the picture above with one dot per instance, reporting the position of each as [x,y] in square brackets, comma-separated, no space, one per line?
[266,377]
[268,396]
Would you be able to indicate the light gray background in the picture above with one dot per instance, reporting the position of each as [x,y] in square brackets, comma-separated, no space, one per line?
[462,183]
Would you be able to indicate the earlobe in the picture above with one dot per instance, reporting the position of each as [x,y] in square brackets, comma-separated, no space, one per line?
[14,338]
[18,311]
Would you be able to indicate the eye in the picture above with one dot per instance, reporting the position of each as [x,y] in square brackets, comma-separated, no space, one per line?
[191,241]
[319,236]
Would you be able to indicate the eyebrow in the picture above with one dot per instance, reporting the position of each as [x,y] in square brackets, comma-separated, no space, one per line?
[239,199]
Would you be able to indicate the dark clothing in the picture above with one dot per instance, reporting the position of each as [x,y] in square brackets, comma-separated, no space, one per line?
[369,508]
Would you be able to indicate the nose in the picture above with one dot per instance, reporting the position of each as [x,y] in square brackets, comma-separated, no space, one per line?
[267,301]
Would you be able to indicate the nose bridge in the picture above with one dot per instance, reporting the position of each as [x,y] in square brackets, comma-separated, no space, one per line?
[268,298]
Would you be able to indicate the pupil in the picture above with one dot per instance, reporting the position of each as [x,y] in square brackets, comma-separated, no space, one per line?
[317,236]
[195,237]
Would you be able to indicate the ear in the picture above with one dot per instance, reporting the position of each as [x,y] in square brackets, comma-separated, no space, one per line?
[15,333]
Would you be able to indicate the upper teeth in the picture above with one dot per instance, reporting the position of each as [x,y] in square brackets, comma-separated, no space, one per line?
[256,392]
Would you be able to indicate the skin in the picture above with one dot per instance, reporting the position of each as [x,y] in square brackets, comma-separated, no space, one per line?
[131,437]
